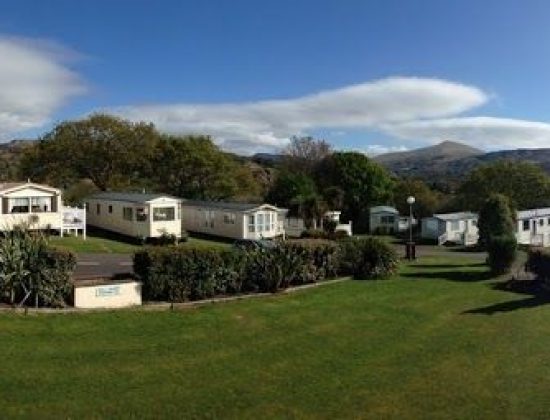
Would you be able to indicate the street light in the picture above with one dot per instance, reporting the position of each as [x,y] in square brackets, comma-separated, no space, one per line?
[411,254]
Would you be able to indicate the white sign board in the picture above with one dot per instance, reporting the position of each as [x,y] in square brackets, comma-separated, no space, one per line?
[115,295]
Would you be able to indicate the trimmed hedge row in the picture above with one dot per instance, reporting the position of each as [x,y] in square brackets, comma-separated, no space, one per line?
[179,274]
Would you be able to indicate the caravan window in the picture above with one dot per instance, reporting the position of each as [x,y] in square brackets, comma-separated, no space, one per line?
[229,218]
[165,214]
[387,220]
[251,225]
[141,214]
[260,222]
[128,213]
[19,205]
[526,225]
[455,225]
[40,204]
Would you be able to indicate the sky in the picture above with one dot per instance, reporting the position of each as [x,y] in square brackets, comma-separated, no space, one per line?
[366,75]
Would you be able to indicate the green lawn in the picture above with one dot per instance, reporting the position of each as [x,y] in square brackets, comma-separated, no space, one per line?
[98,244]
[439,341]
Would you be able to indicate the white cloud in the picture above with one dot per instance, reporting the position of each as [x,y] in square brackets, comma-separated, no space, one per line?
[34,83]
[253,126]
[378,149]
[482,132]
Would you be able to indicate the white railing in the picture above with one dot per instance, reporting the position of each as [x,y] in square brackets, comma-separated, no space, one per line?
[74,219]
[442,239]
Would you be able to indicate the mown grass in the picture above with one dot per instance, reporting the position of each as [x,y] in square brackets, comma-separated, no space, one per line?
[437,341]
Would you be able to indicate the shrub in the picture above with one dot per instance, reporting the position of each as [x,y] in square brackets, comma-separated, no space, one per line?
[319,259]
[368,258]
[538,263]
[314,234]
[496,219]
[502,252]
[329,226]
[30,271]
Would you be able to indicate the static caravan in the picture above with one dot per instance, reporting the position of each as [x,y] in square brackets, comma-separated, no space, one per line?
[134,214]
[460,228]
[383,219]
[26,203]
[233,220]
[533,227]
[295,226]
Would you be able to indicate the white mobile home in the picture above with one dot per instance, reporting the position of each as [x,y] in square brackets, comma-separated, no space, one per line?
[26,203]
[233,220]
[134,214]
[384,220]
[460,228]
[533,227]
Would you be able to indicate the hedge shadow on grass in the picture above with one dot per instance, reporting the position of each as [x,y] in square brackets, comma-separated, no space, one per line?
[537,297]
[432,266]
[453,275]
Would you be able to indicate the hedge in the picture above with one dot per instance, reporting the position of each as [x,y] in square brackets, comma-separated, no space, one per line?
[179,274]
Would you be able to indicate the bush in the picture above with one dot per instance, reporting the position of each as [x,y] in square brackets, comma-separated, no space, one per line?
[178,274]
[368,258]
[329,226]
[30,271]
[314,234]
[502,252]
[538,263]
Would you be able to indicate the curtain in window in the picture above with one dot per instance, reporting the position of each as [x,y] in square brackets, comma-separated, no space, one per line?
[19,205]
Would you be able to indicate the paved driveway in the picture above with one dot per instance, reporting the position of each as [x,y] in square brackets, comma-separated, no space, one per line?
[102,265]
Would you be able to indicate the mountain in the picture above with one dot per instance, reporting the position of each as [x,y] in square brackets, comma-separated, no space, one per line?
[268,159]
[451,160]
[426,161]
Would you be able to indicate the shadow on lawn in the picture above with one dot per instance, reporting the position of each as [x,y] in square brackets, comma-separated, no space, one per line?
[455,266]
[537,297]
[453,275]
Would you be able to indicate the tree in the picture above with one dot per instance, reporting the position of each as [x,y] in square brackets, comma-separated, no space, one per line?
[364,182]
[194,167]
[109,151]
[334,197]
[288,186]
[303,154]
[496,218]
[311,208]
[427,201]
[497,233]
[525,184]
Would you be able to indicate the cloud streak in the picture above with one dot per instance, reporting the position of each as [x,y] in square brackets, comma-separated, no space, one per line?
[485,132]
[248,127]
[34,83]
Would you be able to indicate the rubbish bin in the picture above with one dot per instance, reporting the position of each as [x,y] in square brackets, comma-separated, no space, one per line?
[410,251]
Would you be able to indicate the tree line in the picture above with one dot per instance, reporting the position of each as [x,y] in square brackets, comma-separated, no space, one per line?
[103,152]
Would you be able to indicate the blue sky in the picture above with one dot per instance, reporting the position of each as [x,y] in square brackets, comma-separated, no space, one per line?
[365,75]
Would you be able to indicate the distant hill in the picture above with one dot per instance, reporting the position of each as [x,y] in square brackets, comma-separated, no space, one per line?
[452,160]
[268,159]
[427,160]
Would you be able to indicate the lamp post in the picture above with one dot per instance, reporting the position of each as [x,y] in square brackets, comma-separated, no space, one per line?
[411,251]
